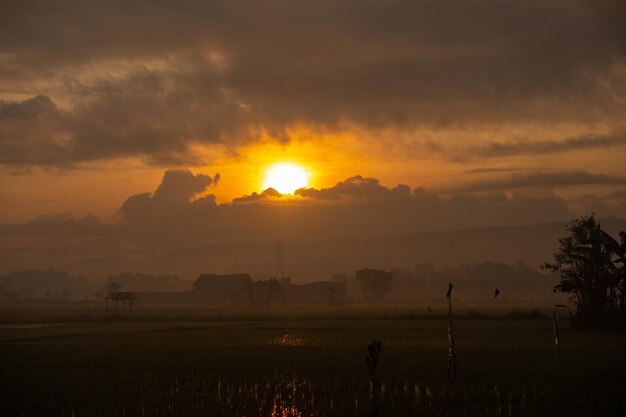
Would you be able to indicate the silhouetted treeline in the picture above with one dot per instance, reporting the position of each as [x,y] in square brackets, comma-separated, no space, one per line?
[51,284]
[44,284]
[374,283]
[472,280]
[592,270]
[139,282]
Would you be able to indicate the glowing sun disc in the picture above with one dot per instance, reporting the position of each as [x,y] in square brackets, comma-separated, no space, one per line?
[286,177]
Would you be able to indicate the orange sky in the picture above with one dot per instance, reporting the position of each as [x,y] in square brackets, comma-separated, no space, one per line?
[97,101]
[100,187]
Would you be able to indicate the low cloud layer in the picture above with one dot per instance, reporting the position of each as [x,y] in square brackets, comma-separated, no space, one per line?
[180,210]
[179,227]
[543,180]
[540,147]
[174,196]
[356,207]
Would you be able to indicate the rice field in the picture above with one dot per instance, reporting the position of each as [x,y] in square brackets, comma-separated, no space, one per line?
[242,365]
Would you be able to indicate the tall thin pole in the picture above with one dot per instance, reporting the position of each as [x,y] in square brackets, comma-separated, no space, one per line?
[452,363]
[557,342]
[373,350]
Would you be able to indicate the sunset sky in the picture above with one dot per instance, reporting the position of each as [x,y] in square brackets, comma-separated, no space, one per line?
[436,114]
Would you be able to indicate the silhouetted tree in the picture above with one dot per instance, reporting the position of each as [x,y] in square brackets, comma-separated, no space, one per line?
[374,283]
[591,267]
[37,283]
[113,286]
[619,271]
[265,291]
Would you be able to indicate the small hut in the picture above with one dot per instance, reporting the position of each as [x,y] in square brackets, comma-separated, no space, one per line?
[120,296]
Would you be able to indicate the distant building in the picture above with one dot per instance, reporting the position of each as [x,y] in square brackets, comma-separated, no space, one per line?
[214,282]
[209,289]
[222,289]
[320,292]
[239,290]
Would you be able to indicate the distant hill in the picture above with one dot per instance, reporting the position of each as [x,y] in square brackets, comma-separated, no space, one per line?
[309,261]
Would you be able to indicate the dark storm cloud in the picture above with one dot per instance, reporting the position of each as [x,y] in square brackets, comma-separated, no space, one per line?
[29,131]
[228,69]
[543,179]
[356,207]
[255,197]
[353,188]
[173,198]
[138,116]
[356,186]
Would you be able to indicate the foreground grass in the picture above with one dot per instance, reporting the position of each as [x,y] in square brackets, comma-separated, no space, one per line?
[309,366]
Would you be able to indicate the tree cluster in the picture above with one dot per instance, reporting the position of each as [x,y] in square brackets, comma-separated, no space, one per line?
[374,283]
[592,269]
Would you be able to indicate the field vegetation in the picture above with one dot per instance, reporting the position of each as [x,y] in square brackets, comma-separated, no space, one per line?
[78,360]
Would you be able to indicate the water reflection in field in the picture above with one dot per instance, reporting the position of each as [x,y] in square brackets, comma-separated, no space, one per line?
[291,339]
[292,395]
[303,339]
[306,369]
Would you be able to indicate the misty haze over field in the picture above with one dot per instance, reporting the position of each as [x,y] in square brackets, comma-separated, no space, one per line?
[191,138]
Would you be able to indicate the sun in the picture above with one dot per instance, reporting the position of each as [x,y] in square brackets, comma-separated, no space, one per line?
[286,177]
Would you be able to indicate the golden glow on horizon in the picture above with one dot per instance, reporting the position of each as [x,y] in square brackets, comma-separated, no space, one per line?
[328,157]
[286,177]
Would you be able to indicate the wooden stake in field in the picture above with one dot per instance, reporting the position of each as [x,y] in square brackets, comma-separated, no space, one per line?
[557,337]
[557,342]
[452,363]
[373,350]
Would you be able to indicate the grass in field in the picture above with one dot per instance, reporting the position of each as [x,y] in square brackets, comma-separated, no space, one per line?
[315,366]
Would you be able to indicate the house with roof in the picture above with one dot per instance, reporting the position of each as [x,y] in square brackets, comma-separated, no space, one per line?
[222,289]
[330,293]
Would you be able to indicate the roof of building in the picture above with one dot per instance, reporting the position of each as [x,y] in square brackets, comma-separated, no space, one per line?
[327,284]
[222,280]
